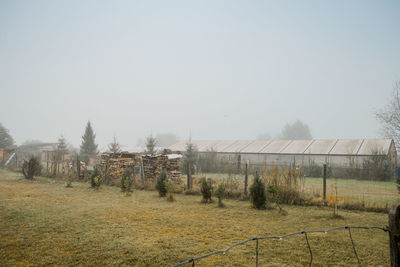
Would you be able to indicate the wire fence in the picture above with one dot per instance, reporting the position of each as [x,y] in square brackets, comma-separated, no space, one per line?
[354,188]
[305,233]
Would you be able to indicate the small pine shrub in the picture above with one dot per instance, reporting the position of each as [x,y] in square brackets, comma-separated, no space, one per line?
[31,168]
[220,193]
[206,190]
[69,181]
[161,185]
[96,179]
[258,196]
[272,194]
[127,182]
[170,192]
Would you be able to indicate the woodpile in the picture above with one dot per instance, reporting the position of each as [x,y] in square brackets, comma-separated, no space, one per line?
[5,154]
[113,165]
[56,163]
[153,165]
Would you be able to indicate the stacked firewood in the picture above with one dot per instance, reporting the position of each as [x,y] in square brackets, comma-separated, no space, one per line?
[113,165]
[153,165]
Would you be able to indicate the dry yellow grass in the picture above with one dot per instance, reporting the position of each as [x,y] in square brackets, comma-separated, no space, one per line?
[44,223]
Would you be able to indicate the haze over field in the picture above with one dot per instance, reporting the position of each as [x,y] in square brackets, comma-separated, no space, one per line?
[209,69]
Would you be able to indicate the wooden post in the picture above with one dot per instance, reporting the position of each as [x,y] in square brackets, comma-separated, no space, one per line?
[324,189]
[239,163]
[142,170]
[246,177]
[189,176]
[78,167]
[47,162]
[394,236]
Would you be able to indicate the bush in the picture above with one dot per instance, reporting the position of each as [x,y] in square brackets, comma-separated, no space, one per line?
[161,185]
[127,182]
[220,193]
[272,194]
[31,168]
[96,179]
[258,195]
[69,181]
[170,191]
[206,190]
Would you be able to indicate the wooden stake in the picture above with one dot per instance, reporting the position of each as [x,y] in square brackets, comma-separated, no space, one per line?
[189,176]
[324,185]
[246,177]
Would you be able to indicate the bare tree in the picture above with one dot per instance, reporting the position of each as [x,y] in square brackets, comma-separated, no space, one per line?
[166,139]
[297,130]
[389,116]
[264,136]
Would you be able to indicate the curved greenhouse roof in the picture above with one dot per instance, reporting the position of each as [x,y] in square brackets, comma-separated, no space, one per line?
[310,147]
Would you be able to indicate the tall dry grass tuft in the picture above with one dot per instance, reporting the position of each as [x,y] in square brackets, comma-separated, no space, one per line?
[288,184]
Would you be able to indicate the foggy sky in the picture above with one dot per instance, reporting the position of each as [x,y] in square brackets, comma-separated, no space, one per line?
[209,69]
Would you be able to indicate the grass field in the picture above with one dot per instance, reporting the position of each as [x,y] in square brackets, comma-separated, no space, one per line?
[372,193]
[44,223]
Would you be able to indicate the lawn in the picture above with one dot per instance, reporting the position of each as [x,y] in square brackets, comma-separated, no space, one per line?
[44,223]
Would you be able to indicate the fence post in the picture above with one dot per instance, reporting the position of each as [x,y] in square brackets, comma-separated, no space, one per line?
[324,189]
[189,176]
[78,167]
[142,170]
[246,177]
[394,236]
[239,163]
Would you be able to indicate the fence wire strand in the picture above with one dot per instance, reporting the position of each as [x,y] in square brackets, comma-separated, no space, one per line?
[223,252]
[309,249]
[354,248]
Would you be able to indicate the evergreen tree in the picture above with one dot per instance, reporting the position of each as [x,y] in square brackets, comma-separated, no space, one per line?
[61,147]
[190,155]
[127,182]
[258,196]
[6,140]
[206,190]
[220,193]
[151,144]
[88,146]
[161,184]
[114,146]
[96,179]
